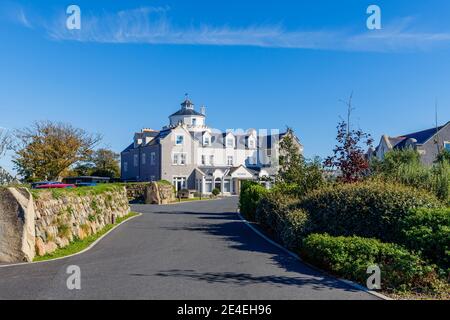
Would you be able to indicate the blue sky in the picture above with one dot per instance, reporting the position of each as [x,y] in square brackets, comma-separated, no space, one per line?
[254,64]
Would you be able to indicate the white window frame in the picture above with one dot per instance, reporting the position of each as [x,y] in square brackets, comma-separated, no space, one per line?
[179,158]
[183,181]
[143,160]
[204,159]
[177,143]
[183,158]
[194,121]
[228,139]
[447,145]
[230,163]
[211,160]
[206,140]
[135,160]
[152,158]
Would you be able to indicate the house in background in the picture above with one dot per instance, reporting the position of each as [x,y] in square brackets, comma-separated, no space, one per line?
[193,156]
[428,143]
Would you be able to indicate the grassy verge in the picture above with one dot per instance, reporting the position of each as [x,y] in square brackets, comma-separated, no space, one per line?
[79,245]
[194,199]
[58,193]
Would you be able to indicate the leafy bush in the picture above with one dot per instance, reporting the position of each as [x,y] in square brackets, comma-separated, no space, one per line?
[349,257]
[272,209]
[293,229]
[368,209]
[215,192]
[404,166]
[428,231]
[251,194]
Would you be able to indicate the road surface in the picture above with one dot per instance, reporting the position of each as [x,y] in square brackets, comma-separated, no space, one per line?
[196,250]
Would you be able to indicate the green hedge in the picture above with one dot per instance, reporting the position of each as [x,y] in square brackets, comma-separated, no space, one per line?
[349,257]
[251,194]
[368,209]
[272,209]
[428,231]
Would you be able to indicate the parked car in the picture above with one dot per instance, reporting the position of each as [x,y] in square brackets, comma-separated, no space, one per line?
[56,186]
[34,185]
[86,184]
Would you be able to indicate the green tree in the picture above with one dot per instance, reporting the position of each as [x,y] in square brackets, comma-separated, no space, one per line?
[398,157]
[302,176]
[46,150]
[105,163]
[443,156]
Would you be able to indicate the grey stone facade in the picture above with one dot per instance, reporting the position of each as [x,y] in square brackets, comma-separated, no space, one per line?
[191,155]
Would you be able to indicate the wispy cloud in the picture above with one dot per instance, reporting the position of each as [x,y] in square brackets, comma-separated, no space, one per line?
[22,19]
[150,25]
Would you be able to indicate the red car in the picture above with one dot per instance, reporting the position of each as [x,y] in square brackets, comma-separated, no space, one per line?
[56,186]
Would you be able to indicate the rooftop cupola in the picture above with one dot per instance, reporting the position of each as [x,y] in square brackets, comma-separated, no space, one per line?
[187,104]
[187,115]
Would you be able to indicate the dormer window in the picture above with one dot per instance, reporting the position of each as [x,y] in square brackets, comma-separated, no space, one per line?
[179,140]
[230,143]
[206,140]
[251,144]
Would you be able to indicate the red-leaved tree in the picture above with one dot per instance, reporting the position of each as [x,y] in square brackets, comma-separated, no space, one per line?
[348,155]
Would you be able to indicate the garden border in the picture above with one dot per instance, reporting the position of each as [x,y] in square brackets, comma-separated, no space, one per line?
[296,256]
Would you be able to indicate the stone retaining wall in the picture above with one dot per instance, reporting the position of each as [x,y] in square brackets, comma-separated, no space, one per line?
[39,225]
[150,193]
[61,220]
[17,232]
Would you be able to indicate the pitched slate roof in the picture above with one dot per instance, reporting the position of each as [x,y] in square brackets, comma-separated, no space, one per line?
[187,112]
[421,136]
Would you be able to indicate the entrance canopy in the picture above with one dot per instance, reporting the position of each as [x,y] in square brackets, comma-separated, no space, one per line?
[240,172]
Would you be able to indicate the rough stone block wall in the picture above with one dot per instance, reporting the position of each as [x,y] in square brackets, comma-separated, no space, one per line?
[51,219]
[136,191]
[150,193]
[17,228]
[159,193]
[60,220]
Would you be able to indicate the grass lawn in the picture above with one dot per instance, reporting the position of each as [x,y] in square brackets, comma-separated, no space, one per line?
[80,245]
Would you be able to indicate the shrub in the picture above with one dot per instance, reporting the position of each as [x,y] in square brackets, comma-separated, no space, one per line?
[272,209]
[428,232]
[294,228]
[251,194]
[349,257]
[368,209]
[404,166]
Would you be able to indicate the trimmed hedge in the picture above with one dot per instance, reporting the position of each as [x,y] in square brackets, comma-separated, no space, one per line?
[349,257]
[294,227]
[428,231]
[367,209]
[251,194]
[285,223]
[271,210]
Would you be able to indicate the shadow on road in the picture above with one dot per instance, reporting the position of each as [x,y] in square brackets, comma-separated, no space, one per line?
[237,235]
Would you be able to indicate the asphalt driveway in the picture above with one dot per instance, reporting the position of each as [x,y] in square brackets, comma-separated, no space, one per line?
[196,250]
